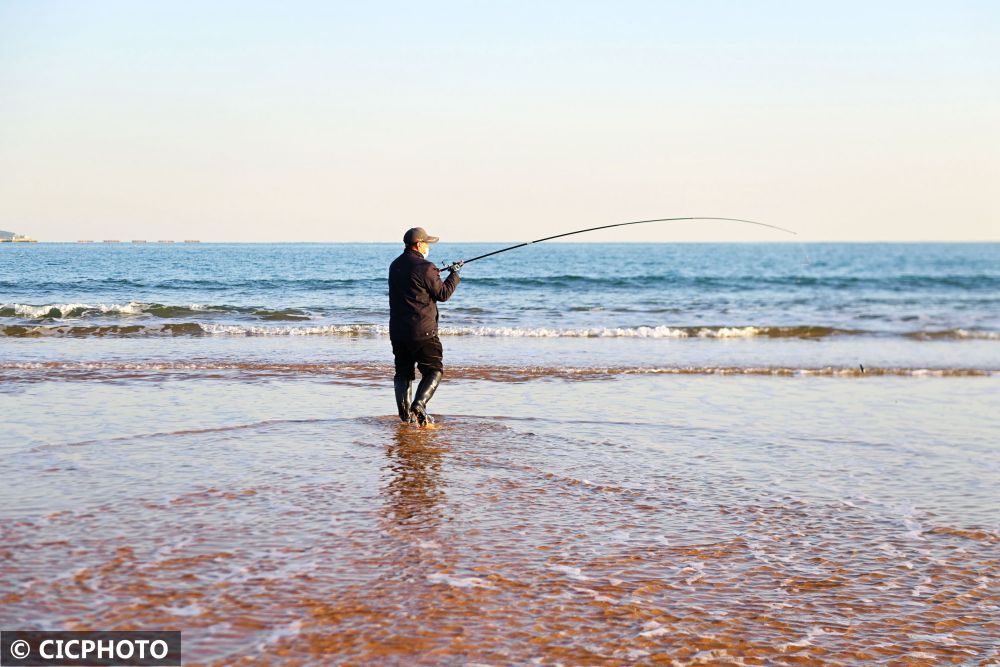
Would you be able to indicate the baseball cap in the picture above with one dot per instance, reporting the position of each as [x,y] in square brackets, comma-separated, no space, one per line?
[418,234]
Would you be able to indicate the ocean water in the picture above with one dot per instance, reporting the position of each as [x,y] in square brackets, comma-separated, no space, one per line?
[783,307]
[645,454]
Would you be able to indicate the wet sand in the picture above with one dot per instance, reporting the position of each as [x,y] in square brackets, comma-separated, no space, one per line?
[642,519]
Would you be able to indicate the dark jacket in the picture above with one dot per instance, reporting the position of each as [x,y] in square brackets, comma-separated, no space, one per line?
[415,287]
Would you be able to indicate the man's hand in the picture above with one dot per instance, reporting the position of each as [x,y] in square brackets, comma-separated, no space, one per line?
[457,266]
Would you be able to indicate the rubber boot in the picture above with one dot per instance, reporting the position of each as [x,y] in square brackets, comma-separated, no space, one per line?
[403,399]
[428,384]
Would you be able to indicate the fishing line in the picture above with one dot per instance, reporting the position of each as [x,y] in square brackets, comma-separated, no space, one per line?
[619,224]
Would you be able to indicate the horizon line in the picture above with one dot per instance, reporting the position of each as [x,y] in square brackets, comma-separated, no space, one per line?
[553,242]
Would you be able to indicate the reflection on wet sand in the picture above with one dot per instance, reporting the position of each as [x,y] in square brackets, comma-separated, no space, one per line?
[415,488]
[506,541]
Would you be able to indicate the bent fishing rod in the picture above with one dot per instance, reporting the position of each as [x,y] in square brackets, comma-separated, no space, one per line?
[451,267]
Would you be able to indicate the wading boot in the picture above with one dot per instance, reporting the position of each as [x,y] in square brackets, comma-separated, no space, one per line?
[403,399]
[418,409]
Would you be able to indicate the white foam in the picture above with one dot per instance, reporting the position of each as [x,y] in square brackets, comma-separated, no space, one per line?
[654,332]
[29,311]
[573,572]
[653,629]
[327,330]
[729,332]
[656,632]
[289,630]
[493,332]
[189,610]
[458,582]
[603,332]
[982,335]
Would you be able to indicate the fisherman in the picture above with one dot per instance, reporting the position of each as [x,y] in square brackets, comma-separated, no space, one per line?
[415,287]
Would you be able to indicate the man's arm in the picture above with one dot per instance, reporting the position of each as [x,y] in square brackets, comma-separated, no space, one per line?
[438,289]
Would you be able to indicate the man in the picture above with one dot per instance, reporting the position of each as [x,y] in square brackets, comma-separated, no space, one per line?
[415,287]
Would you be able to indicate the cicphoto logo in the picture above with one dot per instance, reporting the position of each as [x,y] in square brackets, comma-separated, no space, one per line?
[35,648]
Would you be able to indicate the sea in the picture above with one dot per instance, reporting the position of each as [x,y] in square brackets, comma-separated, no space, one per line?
[774,453]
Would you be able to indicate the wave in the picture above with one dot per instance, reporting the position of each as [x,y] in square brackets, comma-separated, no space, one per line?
[78,311]
[209,284]
[805,332]
[653,332]
[946,334]
[110,330]
[39,371]
[184,329]
[68,310]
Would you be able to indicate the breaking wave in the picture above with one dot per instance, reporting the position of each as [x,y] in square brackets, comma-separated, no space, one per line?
[652,332]
[954,334]
[59,311]
[80,311]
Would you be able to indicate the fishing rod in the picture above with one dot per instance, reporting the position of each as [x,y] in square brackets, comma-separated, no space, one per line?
[452,266]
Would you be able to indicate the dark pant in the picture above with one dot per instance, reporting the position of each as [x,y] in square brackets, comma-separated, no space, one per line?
[426,353]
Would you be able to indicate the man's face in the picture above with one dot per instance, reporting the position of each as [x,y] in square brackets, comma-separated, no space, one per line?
[423,248]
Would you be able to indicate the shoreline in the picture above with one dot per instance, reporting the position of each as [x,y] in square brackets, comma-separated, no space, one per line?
[153,370]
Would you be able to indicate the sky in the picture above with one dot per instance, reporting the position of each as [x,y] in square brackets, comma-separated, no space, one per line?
[499,121]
